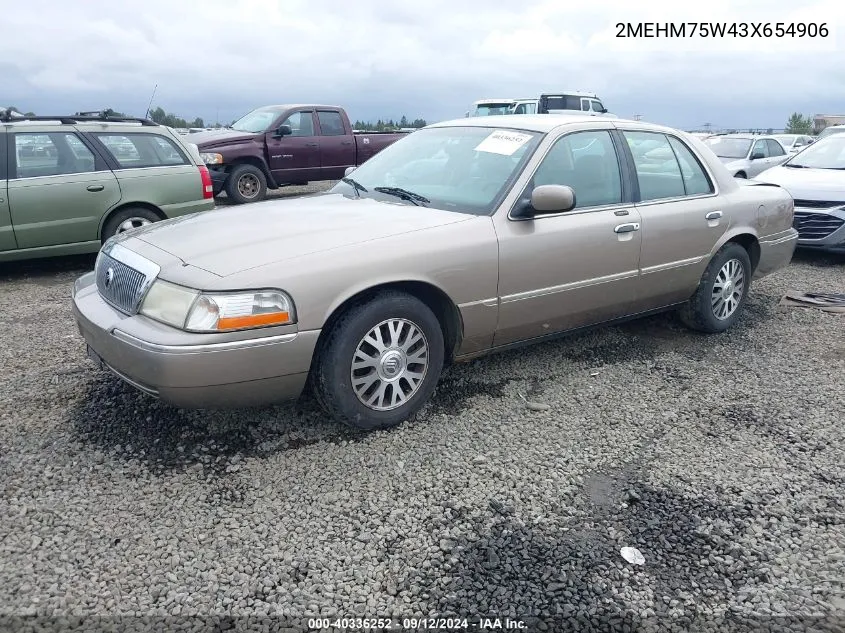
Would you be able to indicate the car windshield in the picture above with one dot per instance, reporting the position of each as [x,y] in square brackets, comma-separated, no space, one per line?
[729,147]
[825,154]
[786,140]
[258,120]
[465,169]
[828,131]
[492,109]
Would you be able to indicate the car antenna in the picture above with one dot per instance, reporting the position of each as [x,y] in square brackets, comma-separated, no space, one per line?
[150,105]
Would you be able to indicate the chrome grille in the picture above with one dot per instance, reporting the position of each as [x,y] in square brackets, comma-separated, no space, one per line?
[815,226]
[820,204]
[119,284]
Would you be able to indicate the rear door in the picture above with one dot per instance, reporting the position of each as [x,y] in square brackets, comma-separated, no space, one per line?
[295,157]
[777,154]
[59,187]
[7,233]
[337,144]
[681,217]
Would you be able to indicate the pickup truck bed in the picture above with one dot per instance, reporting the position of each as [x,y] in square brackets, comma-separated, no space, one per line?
[294,144]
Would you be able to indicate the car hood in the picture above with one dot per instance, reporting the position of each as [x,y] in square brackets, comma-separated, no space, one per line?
[226,241]
[213,138]
[808,183]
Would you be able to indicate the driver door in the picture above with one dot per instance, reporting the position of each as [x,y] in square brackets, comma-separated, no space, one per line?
[759,156]
[295,158]
[562,271]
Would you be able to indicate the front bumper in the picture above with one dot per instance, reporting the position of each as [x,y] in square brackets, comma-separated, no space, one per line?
[776,252]
[189,370]
[218,175]
[820,228]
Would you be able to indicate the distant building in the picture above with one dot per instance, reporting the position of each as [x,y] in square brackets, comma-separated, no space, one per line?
[821,121]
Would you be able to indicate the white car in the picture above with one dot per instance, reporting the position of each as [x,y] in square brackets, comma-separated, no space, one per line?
[747,155]
[794,143]
[815,178]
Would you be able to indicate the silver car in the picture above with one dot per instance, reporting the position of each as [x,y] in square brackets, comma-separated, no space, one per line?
[794,143]
[464,238]
[746,155]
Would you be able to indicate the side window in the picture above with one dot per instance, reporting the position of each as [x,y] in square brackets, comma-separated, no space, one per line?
[585,105]
[331,124]
[51,154]
[775,148]
[142,150]
[585,161]
[696,181]
[597,106]
[301,123]
[760,148]
[531,108]
[658,171]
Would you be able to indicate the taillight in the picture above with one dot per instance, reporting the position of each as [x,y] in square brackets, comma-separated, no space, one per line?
[207,185]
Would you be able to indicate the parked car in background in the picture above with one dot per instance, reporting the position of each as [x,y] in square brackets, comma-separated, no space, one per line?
[793,143]
[524,106]
[747,155]
[463,238]
[490,107]
[279,145]
[830,130]
[68,183]
[816,180]
[571,102]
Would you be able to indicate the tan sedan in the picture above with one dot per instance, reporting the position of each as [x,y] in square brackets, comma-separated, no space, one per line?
[466,237]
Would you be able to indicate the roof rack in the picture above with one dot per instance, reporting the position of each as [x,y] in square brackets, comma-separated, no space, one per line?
[82,117]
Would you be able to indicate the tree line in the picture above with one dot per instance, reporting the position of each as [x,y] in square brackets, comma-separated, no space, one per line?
[381,126]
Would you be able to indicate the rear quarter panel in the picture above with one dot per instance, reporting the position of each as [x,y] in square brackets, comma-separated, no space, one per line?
[176,190]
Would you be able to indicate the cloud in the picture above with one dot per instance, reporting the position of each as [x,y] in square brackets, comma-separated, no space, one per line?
[420,59]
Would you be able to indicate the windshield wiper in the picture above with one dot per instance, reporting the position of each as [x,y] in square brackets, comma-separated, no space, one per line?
[795,165]
[357,186]
[404,194]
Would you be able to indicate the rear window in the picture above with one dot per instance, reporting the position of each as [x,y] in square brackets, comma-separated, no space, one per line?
[561,102]
[142,150]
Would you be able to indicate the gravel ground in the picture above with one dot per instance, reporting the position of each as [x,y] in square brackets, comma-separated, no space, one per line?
[719,457]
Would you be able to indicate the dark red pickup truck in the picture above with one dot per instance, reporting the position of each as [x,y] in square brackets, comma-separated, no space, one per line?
[282,145]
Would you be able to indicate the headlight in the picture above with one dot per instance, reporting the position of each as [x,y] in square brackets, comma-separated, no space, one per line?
[210,158]
[194,311]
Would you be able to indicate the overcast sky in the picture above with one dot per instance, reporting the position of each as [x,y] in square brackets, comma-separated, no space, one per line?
[429,58]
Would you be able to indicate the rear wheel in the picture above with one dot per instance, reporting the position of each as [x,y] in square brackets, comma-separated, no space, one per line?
[740,174]
[128,219]
[246,183]
[380,362]
[722,291]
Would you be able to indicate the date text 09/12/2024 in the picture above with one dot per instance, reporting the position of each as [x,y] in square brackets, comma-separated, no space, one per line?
[721,29]
[416,624]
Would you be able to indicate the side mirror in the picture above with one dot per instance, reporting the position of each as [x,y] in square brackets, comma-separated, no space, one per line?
[284,130]
[348,171]
[604,110]
[757,156]
[548,199]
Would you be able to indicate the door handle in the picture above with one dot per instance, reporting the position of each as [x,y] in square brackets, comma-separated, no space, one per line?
[96,187]
[713,215]
[310,145]
[627,228]
[346,142]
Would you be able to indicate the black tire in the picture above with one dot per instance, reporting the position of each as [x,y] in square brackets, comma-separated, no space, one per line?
[331,375]
[740,174]
[246,183]
[699,313]
[136,216]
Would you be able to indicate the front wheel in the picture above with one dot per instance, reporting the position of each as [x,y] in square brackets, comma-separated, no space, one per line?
[380,362]
[722,291]
[246,183]
[740,174]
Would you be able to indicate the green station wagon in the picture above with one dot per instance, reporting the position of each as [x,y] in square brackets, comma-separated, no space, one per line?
[69,183]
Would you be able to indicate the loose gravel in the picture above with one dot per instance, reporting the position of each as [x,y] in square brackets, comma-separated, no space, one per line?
[720,458]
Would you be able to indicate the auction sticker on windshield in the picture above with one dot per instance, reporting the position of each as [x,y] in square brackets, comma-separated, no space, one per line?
[503,142]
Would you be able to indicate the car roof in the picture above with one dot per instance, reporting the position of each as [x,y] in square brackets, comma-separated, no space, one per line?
[746,136]
[570,93]
[504,100]
[542,123]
